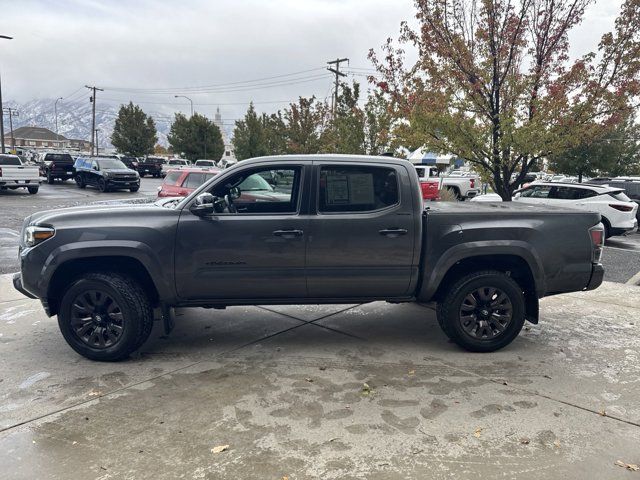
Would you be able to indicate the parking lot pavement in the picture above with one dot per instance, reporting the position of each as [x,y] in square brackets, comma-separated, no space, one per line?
[621,258]
[364,391]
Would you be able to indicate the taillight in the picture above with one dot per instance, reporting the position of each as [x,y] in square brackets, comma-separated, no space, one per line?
[621,208]
[0,172]
[472,182]
[597,242]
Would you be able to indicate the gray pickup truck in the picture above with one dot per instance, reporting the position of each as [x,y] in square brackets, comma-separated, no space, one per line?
[303,230]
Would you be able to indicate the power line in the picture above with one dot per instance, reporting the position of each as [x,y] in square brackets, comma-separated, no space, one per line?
[212,86]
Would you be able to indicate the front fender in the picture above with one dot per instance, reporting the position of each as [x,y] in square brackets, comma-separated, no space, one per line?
[161,277]
[434,274]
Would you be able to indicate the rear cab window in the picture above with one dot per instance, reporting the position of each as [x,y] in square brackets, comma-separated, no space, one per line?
[355,188]
[58,158]
[10,160]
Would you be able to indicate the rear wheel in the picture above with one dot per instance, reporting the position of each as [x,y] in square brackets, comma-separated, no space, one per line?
[105,316]
[483,311]
[33,190]
[134,189]
[607,227]
[50,179]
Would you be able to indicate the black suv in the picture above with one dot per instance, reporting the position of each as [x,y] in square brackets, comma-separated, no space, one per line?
[130,162]
[150,166]
[57,166]
[105,173]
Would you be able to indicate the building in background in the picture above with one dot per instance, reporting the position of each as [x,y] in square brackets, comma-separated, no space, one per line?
[229,154]
[38,138]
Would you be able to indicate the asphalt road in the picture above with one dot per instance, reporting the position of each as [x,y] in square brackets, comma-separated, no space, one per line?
[621,257]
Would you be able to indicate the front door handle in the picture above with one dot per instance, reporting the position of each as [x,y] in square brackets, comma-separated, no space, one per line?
[288,233]
[393,232]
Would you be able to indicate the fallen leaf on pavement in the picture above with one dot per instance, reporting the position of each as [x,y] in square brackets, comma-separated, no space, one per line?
[366,389]
[524,441]
[602,413]
[219,448]
[477,432]
[412,372]
[629,466]
[308,379]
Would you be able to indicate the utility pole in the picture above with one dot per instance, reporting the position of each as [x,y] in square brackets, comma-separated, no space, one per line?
[338,74]
[96,130]
[12,113]
[55,108]
[4,37]
[92,99]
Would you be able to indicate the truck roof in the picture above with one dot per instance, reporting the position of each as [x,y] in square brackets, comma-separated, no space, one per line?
[332,157]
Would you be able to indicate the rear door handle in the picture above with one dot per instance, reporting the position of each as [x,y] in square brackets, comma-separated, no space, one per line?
[288,233]
[393,232]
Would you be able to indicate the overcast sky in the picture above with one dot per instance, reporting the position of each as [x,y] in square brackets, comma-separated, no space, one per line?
[62,45]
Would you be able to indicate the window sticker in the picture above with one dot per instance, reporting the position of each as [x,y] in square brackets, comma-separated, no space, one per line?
[337,189]
[361,189]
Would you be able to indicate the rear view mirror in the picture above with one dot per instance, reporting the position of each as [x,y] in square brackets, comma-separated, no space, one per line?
[203,204]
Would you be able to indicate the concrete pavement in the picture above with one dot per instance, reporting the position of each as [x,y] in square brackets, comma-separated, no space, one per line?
[365,391]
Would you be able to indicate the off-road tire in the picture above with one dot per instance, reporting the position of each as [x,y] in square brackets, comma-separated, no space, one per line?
[137,314]
[448,310]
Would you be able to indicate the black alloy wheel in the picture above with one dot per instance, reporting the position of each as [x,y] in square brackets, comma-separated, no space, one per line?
[97,319]
[485,313]
[482,311]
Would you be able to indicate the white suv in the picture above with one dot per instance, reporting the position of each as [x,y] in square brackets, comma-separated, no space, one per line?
[617,210]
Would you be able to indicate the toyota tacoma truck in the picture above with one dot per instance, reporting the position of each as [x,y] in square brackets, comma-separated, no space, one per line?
[341,229]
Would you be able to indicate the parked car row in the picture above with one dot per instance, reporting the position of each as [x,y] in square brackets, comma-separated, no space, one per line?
[618,211]
[461,184]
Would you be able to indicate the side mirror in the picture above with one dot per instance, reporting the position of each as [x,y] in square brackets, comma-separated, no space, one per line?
[95,167]
[203,205]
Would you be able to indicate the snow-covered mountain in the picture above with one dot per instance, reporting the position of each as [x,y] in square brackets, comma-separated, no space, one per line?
[74,119]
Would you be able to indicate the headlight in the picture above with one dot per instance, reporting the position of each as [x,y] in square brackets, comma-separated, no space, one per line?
[107,174]
[34,235]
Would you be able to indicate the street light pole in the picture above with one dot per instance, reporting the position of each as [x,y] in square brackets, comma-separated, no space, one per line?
[55,109]
[191,101]
[2,150]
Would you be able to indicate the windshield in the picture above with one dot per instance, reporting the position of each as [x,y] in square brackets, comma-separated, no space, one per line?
[9,160]
[110,163]
[255,183]
[205,163]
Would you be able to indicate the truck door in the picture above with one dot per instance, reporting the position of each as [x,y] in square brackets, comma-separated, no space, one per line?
[361,240]
[258,251]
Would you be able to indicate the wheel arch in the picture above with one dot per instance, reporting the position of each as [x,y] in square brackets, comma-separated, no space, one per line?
[511,264]
[71,269]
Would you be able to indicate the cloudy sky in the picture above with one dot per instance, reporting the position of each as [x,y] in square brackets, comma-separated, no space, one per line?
[148,51]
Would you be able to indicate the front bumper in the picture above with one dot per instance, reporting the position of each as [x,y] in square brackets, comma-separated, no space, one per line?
[597,274]
[123,183]
[17,284]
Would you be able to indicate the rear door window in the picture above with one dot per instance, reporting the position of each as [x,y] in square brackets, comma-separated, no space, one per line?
[539,191]
[172,178]
[194,180]
[351,188]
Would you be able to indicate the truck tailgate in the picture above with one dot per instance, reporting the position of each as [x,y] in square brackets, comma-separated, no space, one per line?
[11,173]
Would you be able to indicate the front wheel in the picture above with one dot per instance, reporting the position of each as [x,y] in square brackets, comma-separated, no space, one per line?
[80,181]
[483,311]
[102,185]
[105,316]
[134,189]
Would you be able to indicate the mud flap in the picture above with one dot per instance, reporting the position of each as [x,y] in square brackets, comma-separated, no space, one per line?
[168,319]
[532,307]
